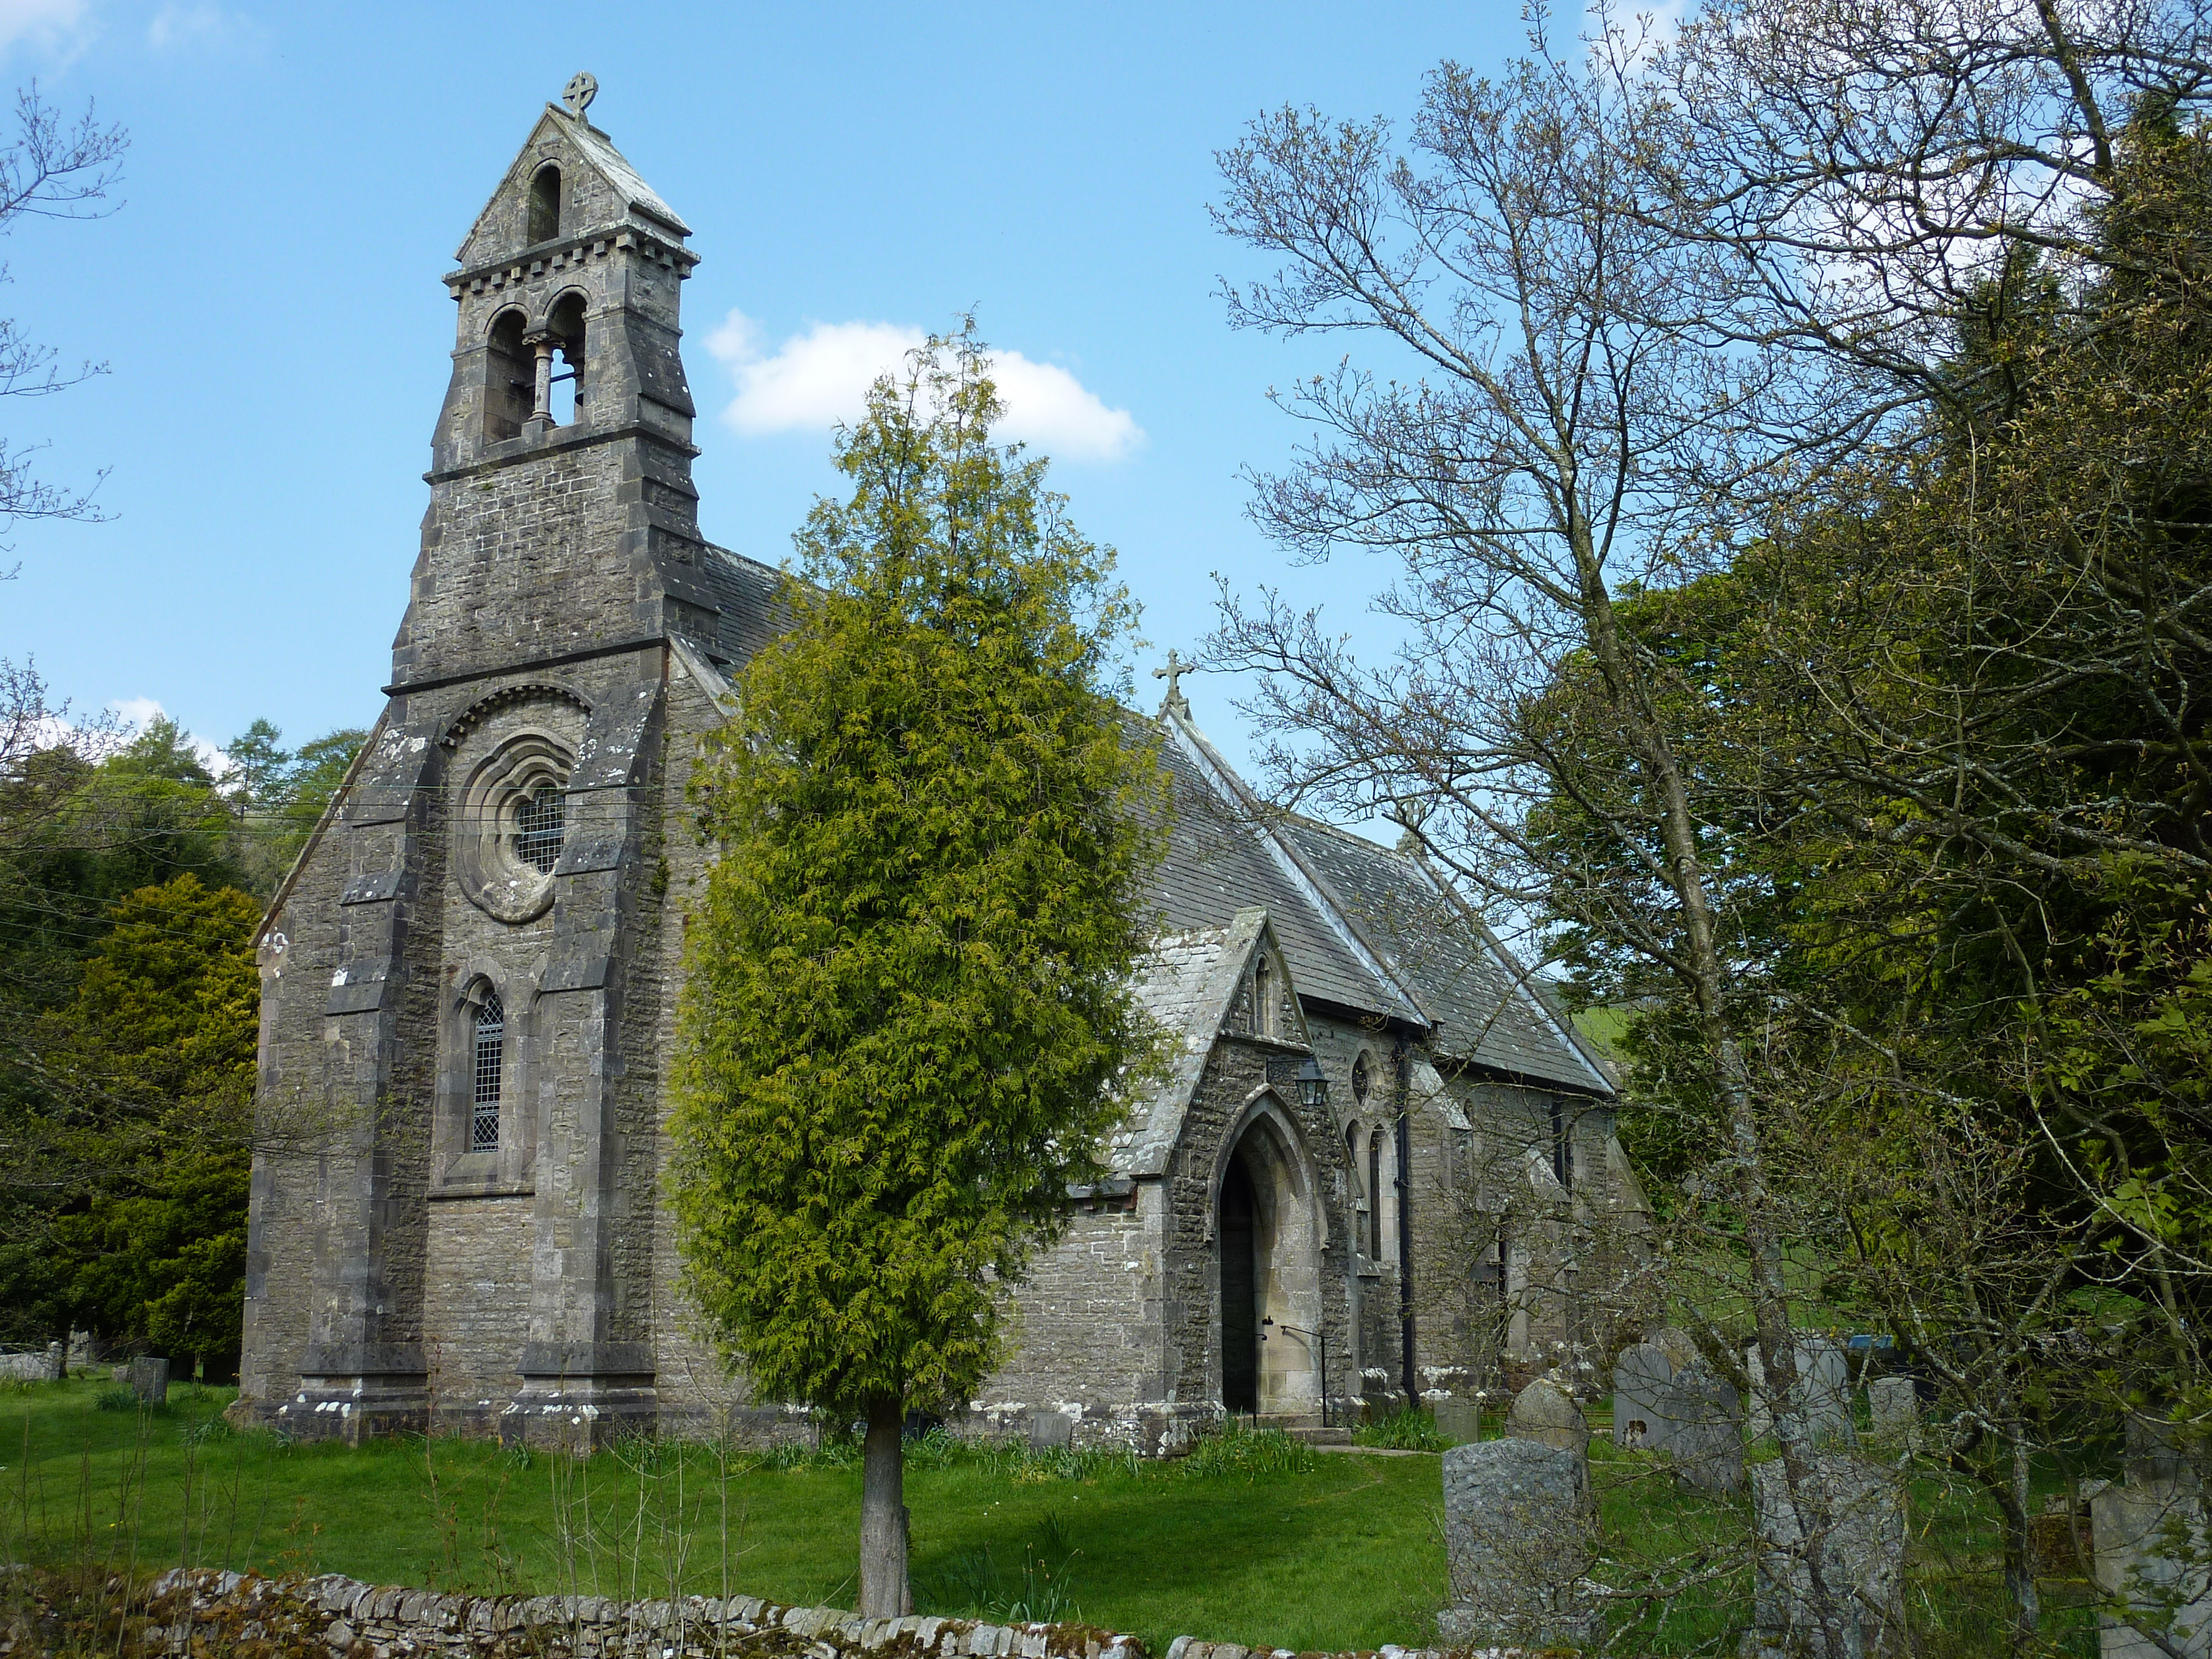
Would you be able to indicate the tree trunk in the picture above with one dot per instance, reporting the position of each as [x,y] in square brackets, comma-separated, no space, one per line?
[2018,1559]
[884,1590]
[1707,974]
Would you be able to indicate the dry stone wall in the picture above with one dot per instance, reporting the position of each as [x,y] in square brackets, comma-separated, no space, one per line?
[199,1611]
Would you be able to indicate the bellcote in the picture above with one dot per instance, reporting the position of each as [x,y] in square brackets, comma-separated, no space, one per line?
[567,294]
[562,517]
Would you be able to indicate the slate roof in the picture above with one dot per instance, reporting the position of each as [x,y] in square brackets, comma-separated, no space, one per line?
[1220,860]
[1485,1009]
[600,151]
[749,595]
[1361,928]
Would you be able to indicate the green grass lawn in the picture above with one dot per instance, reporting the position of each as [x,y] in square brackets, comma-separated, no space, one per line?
[1255,1541]
[1344,1552]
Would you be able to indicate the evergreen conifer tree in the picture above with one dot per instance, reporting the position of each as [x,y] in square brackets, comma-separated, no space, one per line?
[908,1014]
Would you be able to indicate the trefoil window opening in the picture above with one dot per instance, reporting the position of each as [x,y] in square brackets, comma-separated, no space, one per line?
[539,829]
[491,1064]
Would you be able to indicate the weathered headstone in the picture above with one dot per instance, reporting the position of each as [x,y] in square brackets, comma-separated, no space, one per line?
[1641,1377]
[1894,1404]
[1459,1419]
[1049,1430]
[32,1366]
[1861,1551]
[1681,1352]
[1704,1432]
[1823,1389]
[150,1381]
[1517,1534]
[1546,1414]
[2151,1542]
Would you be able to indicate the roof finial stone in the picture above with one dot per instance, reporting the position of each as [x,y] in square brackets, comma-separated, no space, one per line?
[1175,702]
[582,87]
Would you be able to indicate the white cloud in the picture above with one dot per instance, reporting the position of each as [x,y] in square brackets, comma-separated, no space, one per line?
[815,380]
[137,712]
[49,23]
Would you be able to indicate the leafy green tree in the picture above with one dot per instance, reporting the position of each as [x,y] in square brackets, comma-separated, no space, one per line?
[908,1002]
[279,795]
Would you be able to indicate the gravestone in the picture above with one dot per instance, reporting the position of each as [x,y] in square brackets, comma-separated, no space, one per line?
[1641,1378]
[1049,1430]
[1894,1403]
[1705,1419]
[1681,1352]
[1517,1535]
[1823,1388]
[1459,1419]
[1546,1414]
[149,1380]
[1862,1562]
[2136,1528]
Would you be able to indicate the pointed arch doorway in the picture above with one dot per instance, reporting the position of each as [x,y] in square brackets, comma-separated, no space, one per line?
[1268,1237]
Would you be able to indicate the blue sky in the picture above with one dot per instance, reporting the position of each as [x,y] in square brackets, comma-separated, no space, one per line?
[269,302]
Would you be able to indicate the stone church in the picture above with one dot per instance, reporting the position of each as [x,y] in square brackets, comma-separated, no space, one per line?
[1379,1168]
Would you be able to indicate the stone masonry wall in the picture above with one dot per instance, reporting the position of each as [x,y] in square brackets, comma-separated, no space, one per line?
[1084,1331]
[696,1389]
[197,1611]
[476,1304]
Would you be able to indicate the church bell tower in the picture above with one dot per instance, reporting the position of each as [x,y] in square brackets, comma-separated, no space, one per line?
[466,977]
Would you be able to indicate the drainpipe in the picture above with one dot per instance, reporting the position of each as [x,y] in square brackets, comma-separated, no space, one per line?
[1402,1063]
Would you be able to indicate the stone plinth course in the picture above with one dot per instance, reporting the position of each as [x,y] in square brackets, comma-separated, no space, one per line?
[1517,1534]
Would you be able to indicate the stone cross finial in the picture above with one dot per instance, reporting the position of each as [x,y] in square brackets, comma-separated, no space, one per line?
[582,87]
[1175,702]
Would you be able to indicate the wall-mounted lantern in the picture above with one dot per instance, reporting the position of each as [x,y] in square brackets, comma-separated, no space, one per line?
[1313,1086]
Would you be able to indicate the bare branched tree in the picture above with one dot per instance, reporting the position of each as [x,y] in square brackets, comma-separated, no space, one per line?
[1563,441]
[54,168]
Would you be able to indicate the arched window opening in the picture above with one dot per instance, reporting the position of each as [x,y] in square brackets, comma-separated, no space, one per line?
[489,1073]
[509,378]
[1363,1079]
[540,827]
[1562,1145]
[565,388]
[1375,1194]
[1263,1003]
[545,205]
